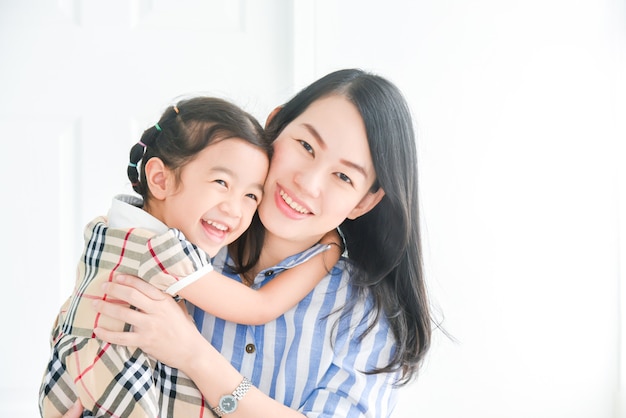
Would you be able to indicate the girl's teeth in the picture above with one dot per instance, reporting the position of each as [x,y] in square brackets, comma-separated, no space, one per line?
[293,205]
[217,226]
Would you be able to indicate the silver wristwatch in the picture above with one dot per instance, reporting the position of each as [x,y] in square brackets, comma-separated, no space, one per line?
[228,403]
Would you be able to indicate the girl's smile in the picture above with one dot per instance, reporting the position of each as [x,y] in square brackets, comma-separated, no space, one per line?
[216,230]
[215,196]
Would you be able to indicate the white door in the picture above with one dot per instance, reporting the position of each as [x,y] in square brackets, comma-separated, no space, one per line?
[79,82]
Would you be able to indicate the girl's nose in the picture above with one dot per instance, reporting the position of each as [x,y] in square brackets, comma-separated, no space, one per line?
[231,207]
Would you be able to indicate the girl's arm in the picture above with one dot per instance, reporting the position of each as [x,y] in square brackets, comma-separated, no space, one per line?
[163,330]
[235,302]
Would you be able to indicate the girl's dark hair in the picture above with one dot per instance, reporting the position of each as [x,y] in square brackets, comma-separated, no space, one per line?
[384,244]
[186,129]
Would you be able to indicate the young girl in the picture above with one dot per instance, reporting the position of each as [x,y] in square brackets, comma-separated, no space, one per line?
[345,154]
[201,174]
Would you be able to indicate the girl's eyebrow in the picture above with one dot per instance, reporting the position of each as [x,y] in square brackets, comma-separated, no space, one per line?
[232,173]
[222,169]
[259,187]
[323,146]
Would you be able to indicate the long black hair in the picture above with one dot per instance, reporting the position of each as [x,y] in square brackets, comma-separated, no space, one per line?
[384,245]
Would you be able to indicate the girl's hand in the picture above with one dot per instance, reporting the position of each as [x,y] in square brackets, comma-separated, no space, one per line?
[332,237]
[159,326]
[76,411]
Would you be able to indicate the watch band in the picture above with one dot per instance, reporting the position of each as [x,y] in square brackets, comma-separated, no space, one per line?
[228,403]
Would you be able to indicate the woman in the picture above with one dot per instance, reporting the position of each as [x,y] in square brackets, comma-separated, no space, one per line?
[344,156]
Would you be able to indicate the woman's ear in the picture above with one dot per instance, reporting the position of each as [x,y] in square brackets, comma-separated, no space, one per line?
[158,177]
[366,204]
[272,114]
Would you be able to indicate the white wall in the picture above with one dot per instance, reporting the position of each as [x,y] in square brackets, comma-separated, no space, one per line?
[520,112]
[520,109]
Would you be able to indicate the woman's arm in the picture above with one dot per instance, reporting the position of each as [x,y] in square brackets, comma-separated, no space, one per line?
[163,330]
[235,302]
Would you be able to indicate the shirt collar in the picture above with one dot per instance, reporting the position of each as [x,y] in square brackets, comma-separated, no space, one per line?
[126,212]
[297,259]
[223,258]
[290,262]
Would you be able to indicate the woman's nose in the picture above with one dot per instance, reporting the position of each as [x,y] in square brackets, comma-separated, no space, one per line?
[310,182]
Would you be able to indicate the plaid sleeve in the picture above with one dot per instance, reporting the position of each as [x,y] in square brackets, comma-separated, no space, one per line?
[171,262]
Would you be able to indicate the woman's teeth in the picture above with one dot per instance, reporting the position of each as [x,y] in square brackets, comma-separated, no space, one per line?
[293,205]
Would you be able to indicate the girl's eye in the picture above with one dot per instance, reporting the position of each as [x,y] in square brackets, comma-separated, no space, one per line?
[221,182]
[306,146]
[253,196]
[344,178]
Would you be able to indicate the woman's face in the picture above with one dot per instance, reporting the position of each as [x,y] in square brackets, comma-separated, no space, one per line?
[321,172]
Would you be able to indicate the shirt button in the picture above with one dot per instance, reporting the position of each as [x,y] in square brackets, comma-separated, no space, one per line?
[250,348]
[269,273]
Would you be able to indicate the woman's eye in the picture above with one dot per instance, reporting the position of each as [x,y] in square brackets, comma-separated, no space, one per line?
[306,146]
[344,178]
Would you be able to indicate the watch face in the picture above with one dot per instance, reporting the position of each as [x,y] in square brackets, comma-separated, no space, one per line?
[228,403]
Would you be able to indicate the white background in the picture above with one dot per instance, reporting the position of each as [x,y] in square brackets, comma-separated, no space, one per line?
[519,107]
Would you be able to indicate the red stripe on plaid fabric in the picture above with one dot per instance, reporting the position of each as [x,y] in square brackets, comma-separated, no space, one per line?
[101,407]
[156,258]
[113,270]
[79,378]
[88,368]
[81,372]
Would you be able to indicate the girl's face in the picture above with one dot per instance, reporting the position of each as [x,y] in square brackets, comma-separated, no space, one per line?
[217,194]
[321,172]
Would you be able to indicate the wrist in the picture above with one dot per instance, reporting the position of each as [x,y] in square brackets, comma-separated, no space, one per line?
[228,403]
[196,358]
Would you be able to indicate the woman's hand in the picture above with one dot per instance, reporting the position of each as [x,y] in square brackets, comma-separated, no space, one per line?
[160,327]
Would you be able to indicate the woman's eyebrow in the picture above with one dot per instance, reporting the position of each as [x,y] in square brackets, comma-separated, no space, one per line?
[322,145]
[315,135]
[355,166]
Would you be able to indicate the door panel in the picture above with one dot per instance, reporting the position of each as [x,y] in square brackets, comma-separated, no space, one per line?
[80,81]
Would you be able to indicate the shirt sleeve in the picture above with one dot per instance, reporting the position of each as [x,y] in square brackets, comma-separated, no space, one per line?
[344,389]
[170,262]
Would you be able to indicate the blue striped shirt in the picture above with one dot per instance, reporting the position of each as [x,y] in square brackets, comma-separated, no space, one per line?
[299,359]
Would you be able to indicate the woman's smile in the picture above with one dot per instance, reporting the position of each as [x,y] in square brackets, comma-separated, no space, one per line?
[290,207]
[292,203]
